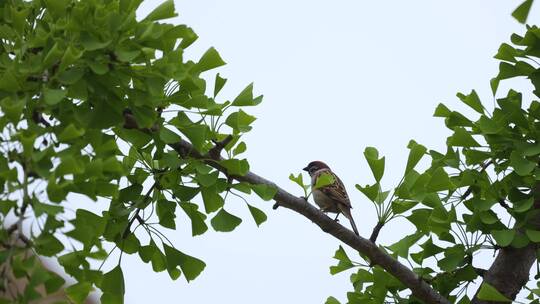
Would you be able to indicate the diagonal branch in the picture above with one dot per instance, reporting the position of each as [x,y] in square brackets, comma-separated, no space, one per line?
[419,288]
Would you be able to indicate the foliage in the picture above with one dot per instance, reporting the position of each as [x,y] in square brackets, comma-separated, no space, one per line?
[95,102]
[91,99]
[477,196]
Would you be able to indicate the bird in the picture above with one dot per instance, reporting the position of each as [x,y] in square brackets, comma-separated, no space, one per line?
[331,198]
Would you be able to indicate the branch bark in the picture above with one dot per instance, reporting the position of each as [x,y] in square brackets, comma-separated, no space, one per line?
[511,268]
[375,232]
[419,288]
[509,272]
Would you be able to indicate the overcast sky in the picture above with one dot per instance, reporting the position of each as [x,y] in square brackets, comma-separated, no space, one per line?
[337,76]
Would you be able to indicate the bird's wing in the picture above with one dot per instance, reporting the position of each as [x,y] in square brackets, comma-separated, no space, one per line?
[336,191]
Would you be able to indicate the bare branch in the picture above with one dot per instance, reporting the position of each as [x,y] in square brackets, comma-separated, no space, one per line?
[215,152]
[376,231]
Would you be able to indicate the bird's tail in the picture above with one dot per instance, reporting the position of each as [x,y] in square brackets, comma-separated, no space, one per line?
[347,212]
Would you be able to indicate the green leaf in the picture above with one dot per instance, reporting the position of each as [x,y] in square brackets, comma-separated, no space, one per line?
[462,138]
[224,221]
[521,165]
[531,150]
[57,7]
[12,108]
[168,136]
[440,181]
[456,119]
[165,211]
[6,206]
[110,298]
[130,244]
[506,52]
[212,200]
[401,248]
[209,60]
[87,227]
[42,208]
[240,121]
[144,116]
[453,258]
[70,132]
[331,300]
[147,252]
[489,293]
[258,215]
[195,132]
[70,56]
[400,206]
[163,11]
[53,96]
[415,155]
[344,261]
[46,244]
[299,180]
[185,193]
[523,205]
[240,148]
[264,191]
[371,192]
[442,111]
[522,11]
[78,292]
[472,100]
[238,167]
[324,180]
[113,282]
[218,84]
[53,55]
[191,266]
[533,235]
[198,226]
[488,126]
[488,217]
[341,255]
[375,163]
[245,98]
[503,237]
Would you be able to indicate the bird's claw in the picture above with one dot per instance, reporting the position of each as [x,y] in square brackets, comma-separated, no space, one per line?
[304,198]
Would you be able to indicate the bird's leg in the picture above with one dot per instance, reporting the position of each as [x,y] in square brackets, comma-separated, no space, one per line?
[336,219]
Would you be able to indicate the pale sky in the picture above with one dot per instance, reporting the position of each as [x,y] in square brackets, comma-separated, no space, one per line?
[337,76]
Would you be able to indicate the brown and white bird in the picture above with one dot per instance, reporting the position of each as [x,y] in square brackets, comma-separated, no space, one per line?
[330,198]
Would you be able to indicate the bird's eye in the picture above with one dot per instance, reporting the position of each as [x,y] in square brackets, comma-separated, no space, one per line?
[312,169]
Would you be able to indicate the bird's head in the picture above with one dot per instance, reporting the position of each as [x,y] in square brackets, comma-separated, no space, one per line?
[315,166]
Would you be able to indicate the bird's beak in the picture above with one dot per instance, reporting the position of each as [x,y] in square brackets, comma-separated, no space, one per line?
[306,169]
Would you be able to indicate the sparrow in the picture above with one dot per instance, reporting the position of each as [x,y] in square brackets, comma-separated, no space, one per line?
[330,198]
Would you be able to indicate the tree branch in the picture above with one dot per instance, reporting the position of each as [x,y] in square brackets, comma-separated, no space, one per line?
[509,272]
[136,216]
[419,288]
[511,268]
[376,231]
[215,152]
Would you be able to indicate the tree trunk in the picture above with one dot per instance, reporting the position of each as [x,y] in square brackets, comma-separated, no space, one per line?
[510,271]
